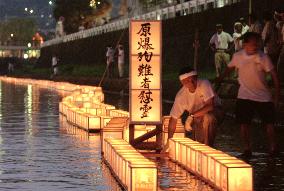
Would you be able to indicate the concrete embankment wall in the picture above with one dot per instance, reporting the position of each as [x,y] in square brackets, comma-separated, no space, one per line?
[178,35]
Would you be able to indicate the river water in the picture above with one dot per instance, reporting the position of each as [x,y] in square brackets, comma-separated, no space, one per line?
[39,152]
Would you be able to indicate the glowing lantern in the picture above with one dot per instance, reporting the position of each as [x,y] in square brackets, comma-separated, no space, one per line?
[179,132]
[202,158]
[192,153]
[211,164]
[145,72]
[142,176]
[118,113]
[114,132]
[173,144]
[236,177]
[218,162]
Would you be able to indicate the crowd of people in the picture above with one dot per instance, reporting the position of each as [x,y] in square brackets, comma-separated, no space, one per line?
[258,52]
[270,29]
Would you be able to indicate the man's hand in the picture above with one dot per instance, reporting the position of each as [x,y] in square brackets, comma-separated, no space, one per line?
[188,122]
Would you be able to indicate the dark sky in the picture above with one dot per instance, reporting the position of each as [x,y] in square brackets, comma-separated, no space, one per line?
[16,8]
[42,10]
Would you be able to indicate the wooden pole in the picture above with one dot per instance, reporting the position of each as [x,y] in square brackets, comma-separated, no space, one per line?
[196,46]
[250,7]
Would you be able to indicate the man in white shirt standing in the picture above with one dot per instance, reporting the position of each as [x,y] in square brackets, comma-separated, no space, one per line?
[120,61]
[237,36]
[198,98]
[254,95]
[220,43]
[54,65]
[109,62]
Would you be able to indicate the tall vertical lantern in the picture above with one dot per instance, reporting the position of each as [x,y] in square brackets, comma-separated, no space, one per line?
[145,72]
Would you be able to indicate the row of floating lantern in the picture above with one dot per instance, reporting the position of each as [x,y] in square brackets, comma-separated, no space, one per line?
[85,109]
[216,167]
[132,169]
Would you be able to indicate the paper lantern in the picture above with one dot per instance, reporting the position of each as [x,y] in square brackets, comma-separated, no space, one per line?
[236,177]
[191,156]
[211,164]
[142,176]
[173,144]
[202,158]
[179,131]
[218,162]
[181,151]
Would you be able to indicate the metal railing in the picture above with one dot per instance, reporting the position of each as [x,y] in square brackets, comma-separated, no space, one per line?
[189,7]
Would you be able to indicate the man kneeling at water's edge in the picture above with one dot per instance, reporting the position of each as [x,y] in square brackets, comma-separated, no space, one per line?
[204,106]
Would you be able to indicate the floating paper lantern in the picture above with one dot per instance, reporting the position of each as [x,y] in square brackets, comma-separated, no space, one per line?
[218,162]
[236,177]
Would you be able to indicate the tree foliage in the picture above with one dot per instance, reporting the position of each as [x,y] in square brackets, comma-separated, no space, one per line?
[22,29]
[73,11]
[76,12]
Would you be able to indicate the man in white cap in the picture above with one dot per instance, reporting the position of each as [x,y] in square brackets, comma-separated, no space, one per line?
[220,43]
[198,98]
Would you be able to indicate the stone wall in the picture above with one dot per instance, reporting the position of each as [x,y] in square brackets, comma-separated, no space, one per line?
[178,34]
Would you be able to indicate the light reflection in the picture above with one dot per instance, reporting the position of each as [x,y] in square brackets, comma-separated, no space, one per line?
[1,103]
[28,108]
[173,177]
[93,142]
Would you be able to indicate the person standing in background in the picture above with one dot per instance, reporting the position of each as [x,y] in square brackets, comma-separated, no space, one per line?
[109,62]
[254,96]
[54,63]
[220,44]
[120,61]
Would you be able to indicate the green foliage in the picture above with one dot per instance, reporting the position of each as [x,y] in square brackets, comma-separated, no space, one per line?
[23,30]
[28,68]
[82,70]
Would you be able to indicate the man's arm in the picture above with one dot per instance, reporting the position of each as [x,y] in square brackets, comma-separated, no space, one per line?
[212,47]
[171,131]
[172,127]
[209,106]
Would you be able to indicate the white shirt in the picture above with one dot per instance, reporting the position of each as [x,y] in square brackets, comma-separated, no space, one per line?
[252,70]
[191,102]
[237,42]
[110,55]
[221,40]
[54,61]
[245,29]
[120,56]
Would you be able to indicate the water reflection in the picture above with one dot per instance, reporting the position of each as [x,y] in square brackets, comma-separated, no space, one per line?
[172,177]
[36,153]
[94,141]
